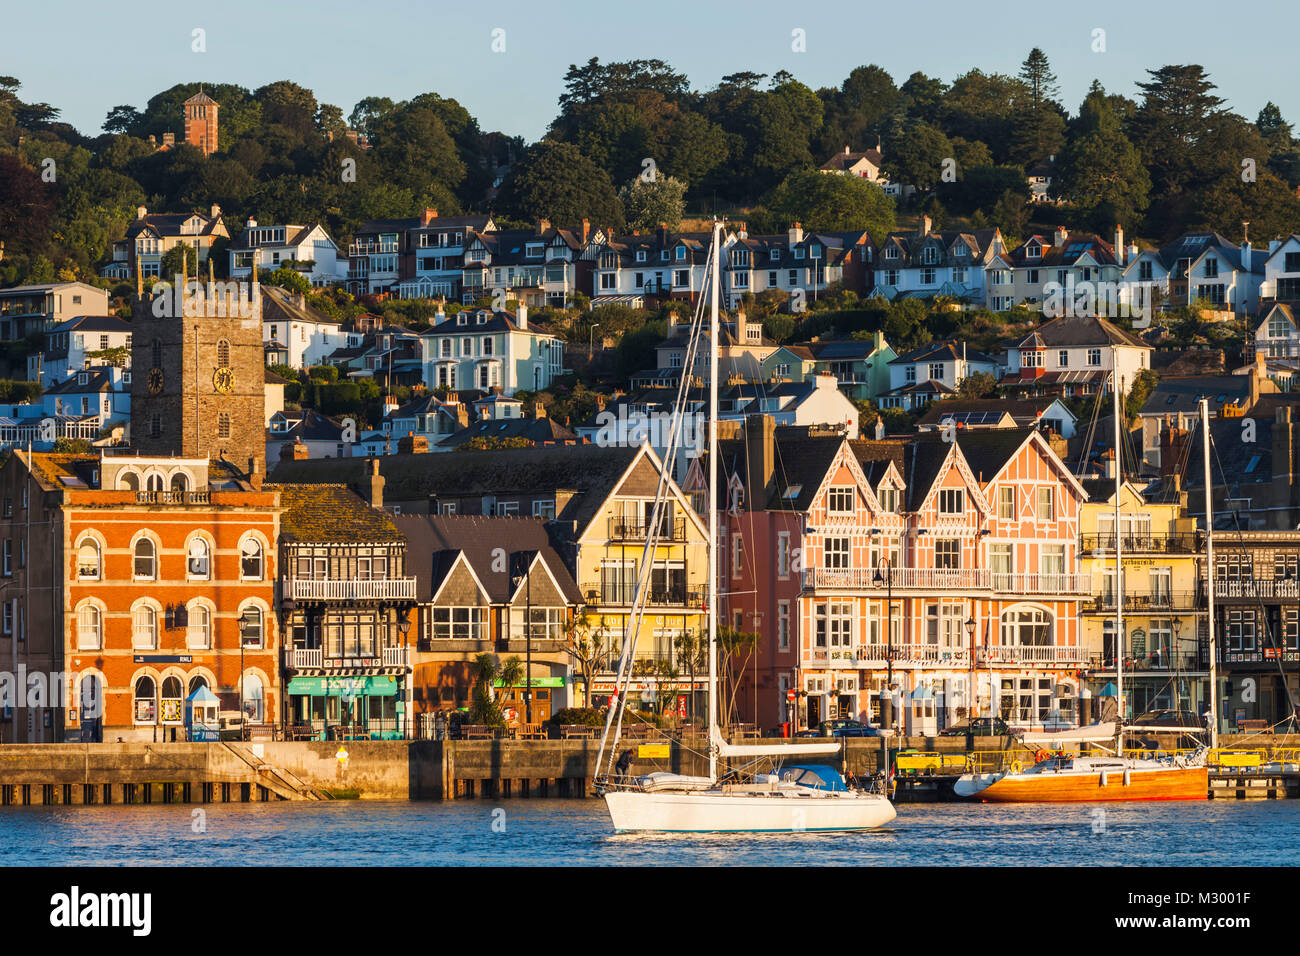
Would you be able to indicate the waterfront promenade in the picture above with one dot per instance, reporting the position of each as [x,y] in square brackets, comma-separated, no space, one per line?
[234,772]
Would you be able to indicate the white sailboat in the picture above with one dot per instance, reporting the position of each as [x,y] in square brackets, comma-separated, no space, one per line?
[792,799]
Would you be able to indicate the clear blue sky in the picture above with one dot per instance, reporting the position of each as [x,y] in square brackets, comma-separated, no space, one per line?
[86,57]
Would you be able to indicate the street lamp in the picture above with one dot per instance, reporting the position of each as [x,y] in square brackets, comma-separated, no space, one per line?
[526,577]
[970,687]
[591,339]
[887,579]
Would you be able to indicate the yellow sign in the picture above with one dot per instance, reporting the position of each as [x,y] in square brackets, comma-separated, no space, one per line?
[652,750]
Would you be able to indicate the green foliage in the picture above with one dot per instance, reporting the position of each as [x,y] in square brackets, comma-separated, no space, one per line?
[646,205]
[288,279]
[491,443]
[555,181]
[1138,393]
[978,385]
[287,371]
[831,203]
[18,392]
[586,716]
[73,446]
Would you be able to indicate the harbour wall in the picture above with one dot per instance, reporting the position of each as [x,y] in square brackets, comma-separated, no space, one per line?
[404,770]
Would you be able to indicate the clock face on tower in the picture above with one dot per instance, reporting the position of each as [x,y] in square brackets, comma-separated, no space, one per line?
[155,380]
[223,379]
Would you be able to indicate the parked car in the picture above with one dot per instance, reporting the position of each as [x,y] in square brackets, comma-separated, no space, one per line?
[980,727]
[1174,719]
[847,728]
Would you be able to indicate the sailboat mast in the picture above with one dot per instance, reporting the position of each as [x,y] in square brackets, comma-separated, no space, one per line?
[1119,550]
[712,616]
[1209,575]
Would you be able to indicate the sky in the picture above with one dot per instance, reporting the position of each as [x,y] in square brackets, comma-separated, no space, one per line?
[87,57]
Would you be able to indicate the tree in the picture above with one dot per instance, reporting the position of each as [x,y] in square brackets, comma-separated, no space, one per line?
[172,263]
[118,356]
[1100,171]
[832,203]
[1175,125]
[736,650]
[1268,204]
[27,205]
[648,204]
[120,119]
[856,113]
[488,672]
[1037,76]
[589,648]
[915,154]
[692,651]
[555,181]
[978,385]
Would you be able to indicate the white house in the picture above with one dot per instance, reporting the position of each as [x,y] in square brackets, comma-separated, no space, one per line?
[925,264]
[25,309]
[298,335]
[1203,266]
[309,248]
[1281,281]
[1073,355]
[67,346]
[484,349]
[931,372]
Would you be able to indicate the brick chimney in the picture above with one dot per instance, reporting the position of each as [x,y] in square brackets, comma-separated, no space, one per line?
[543,225]
[412,444]
[539,410]
[375,485]
[795,235]
[294,451]
[1059,237]
[586,229]
[760,456]
[1119,245]
[254,475]
[428,215]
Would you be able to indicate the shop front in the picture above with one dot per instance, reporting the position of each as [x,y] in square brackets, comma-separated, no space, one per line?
[548,697]
[332,708]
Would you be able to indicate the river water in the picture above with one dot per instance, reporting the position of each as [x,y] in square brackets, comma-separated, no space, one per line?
[577,832]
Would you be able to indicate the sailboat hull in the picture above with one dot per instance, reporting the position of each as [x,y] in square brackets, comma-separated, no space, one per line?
[744,813]
[1181,783]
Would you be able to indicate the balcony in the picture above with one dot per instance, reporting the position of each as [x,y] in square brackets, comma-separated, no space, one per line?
[332,589]
[1251,588]
[307,658]
[935,579]
[1032,654]
[624,530]
[171,498]
[869,655]
[1141,543]
[622,596]
[372,247]
[1144,602]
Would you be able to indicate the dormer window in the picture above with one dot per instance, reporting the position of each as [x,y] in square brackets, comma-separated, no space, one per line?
[930,256]
[640,255]
[460,319]
[776,255]
[680,252]
[960,250]
[83,378]
[1033,251]
[816,251]
[798,253]
[663,255]
[891,252]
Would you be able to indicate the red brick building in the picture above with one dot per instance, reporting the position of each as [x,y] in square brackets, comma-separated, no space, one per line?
[142,578]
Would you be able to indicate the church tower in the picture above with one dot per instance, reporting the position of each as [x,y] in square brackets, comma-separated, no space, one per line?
[198,374]
[201,122]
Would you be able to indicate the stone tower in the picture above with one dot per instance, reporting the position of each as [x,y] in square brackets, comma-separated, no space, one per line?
[198,374]
[201,122]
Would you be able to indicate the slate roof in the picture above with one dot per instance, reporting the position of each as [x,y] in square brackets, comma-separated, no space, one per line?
[536,430]
[943,351]
[434,541]
[1023,410]
[1174,395]
[99,379]
[590,470]
[309,425]
[801,464]
[841,162]
[1077,330]
[330,513]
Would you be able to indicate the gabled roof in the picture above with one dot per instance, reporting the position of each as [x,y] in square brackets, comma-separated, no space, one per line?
[1025,411]
[99,378]
[539,431]
[1184,394]
[434,542]
[1079,330]
[592,471]
[945,351]
[92,323]
[801,464]
[841,162]
[308,425]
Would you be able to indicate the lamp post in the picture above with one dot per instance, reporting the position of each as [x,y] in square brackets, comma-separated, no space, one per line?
[403,626]
[591,339]
[970,689]
[527,579]
[888,580]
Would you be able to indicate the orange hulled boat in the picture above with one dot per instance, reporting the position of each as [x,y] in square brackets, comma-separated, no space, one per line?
[1062,779]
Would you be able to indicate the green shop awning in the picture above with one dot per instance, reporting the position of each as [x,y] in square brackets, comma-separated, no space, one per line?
[536,682]
[376,686]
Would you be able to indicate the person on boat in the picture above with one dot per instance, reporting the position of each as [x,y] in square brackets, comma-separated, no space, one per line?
[624,762]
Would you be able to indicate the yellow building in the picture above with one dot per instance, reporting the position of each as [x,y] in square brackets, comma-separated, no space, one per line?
[1164,661]
[612,549]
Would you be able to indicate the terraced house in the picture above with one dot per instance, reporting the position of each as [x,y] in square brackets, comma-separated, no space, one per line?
[924,264]
[945,569]
[344,603]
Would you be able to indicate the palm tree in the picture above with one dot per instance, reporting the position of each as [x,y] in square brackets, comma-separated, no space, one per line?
[691,650]
[488,672]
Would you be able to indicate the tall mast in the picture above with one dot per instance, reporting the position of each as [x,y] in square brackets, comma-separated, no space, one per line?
[1119,562]
[712,616]
[1209,575]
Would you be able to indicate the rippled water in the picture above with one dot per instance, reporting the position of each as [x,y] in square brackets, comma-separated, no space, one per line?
[577,832]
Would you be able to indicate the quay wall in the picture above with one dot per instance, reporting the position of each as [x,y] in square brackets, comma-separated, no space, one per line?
[414,770]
